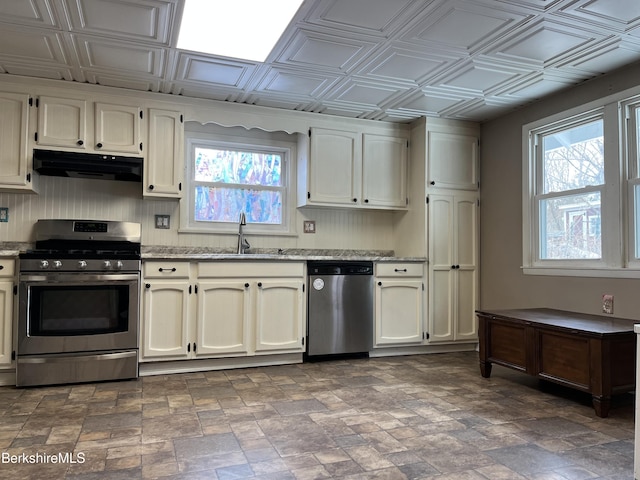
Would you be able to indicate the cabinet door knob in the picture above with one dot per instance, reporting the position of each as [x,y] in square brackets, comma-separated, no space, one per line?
[1,267]
[98,145]
[366,200]
[260,284]
[246,285]
[151,187]
[80,142]
[379,284]
[355,200]
[432,182]
[148,285]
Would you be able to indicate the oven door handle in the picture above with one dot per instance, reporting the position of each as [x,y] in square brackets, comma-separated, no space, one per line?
[84,278]
[64,358]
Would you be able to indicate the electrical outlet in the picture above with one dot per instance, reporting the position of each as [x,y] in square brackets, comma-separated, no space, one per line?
[309,226]
[4,214]
[607,304]
[163,221]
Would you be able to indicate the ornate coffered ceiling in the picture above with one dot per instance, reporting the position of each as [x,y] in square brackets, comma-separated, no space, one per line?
[377,59]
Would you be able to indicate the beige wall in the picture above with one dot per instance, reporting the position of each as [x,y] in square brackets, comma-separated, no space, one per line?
[502,283]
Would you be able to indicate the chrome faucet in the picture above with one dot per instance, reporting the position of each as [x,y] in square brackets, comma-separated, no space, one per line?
[243,244]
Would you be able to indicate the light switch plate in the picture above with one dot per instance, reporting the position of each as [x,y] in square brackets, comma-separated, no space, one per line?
[163,221]
[4,214]
[309,226]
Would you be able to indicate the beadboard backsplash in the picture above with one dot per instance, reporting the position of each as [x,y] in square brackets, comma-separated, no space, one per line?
[110,200]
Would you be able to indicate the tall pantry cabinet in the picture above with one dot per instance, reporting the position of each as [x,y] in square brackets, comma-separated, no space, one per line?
[444,178]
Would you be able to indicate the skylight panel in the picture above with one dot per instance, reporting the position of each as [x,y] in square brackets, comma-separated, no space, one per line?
[243,29]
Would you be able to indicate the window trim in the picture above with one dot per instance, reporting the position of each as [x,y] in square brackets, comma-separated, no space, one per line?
[213,140]
[616,250]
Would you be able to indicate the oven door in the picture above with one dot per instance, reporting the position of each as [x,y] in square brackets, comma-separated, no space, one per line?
[83,312]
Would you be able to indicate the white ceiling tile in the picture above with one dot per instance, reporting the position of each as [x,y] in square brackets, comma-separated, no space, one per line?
[544,42]
[538,85]
[402,64]
[362,93]
[368,16]
[51,72]
[282,81]
[613,14]
[606,57]
[466,26]
[28,12]
[321,51]
[479,78]
[203,70]
[123,82]
[144,20]
[31,45]
[428,103]
[102,54]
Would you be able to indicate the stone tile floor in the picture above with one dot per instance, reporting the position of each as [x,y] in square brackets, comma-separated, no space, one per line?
[414,417]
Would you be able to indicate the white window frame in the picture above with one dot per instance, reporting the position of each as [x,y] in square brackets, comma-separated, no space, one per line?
[194,140]
[614,261]
[631,156]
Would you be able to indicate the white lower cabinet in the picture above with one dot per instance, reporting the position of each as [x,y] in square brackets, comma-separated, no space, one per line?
[241,309]
[166,311]
[399,298]
[7,270]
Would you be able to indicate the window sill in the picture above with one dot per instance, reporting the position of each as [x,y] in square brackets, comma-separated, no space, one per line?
[582,272]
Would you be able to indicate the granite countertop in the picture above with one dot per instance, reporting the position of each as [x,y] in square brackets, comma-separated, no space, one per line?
[204,253]
[13,249]
[163,252]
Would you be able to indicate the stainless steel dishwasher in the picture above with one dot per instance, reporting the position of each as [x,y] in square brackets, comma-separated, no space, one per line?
[340,303]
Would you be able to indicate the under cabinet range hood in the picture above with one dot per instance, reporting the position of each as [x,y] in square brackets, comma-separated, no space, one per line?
[87,165]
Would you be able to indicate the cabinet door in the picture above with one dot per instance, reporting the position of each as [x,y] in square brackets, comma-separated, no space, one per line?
[398,311]
[452,160]
[384,171]
[62,122]
[165,163]
[6,321]
[117,128]
[335,167]
[165,320]
[466,286]
[453,243]
[441,267]
[222,321]
[279,316]
[14,114]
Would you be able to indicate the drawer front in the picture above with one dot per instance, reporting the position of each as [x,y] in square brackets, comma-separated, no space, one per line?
[165,269]
[399,269]
[7,267]
[250,269]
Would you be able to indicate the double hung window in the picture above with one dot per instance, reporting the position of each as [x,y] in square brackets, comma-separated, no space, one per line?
[228,178]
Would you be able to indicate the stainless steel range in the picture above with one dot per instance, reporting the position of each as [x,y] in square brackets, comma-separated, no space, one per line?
[79,303]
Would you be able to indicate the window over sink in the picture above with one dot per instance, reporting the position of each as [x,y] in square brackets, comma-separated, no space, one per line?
[237,172]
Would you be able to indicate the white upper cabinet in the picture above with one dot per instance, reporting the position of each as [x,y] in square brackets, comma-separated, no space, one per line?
[164,169]
[117,128]
[15,168]
[62,122]
[452,159]
[354,169]
[93,127]
[384,171]
[335,165]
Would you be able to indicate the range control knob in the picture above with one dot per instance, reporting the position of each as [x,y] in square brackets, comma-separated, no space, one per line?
[82,264]
[106,264]
[57,264]
[119,265]
[44,264]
